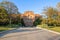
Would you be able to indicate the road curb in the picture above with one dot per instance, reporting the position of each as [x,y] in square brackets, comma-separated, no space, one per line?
[10,30]
[7,31]
[49,30]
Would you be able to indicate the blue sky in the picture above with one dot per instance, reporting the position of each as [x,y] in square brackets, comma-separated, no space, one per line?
[34,5]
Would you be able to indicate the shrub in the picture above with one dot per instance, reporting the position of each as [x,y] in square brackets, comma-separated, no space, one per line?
[42,25]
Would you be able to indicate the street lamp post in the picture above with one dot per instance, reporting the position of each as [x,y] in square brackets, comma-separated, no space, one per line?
[9,9]
[9,14]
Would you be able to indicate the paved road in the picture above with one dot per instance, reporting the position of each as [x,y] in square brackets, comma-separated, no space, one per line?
[29,34]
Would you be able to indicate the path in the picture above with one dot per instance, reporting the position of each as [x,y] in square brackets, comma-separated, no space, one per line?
[29,34]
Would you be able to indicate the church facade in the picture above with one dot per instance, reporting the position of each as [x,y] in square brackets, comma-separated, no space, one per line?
[29,17]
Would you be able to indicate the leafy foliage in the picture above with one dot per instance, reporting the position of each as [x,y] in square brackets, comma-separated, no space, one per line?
[37,21]
[3,15]
[52,16]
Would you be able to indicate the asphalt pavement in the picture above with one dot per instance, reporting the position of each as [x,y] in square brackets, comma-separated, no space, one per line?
[29,34]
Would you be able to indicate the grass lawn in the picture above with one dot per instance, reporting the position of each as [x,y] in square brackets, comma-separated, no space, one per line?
[4,28]
[57,29]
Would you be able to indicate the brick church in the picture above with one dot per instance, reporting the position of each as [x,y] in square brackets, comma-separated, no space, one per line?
[29,17]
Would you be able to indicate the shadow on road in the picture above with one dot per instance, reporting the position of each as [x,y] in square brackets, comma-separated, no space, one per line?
[18,30]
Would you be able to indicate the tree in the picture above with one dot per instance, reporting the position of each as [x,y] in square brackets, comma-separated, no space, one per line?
[3,15]
[10,7]
[37,21]
[51,14]
[16,18]
[58,17]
